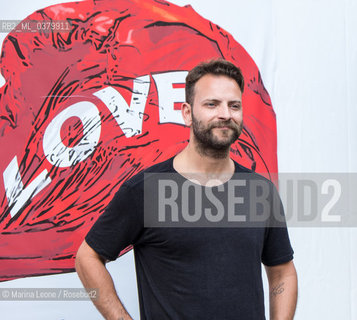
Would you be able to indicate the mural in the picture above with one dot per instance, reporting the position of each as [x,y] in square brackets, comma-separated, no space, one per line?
[86,107]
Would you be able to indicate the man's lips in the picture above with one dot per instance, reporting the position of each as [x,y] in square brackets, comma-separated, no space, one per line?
[224,126]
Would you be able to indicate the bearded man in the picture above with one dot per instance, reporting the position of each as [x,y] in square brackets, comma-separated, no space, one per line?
[194,271]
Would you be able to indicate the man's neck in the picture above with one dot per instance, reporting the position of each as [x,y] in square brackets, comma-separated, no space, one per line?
[207,170]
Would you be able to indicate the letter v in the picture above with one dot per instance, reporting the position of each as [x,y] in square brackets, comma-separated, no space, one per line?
[129,119]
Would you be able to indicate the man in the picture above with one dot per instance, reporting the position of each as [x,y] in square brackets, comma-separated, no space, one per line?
[191,272]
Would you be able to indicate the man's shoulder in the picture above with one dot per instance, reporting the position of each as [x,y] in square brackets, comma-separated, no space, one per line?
[161,167]
[239,168]
[250,174]
[139,178]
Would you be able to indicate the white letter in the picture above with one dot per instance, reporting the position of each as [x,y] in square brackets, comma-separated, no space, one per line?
[326,217]
[129,119]
[196,215]
[168,95]
[16,195]
[171,201]
[217,203]
[233,200]
[62,156]
[261,199]
[307,199]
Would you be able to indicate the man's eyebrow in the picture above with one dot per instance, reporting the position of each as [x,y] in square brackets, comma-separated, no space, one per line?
[211,100]
[217,101]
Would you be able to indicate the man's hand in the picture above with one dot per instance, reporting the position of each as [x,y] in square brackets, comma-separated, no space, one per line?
[283,291]
[93,274]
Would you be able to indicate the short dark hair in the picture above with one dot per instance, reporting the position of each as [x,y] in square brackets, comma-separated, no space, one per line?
[219,67]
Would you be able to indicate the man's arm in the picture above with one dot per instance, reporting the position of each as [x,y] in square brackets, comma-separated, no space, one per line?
[94,275]
[282,291]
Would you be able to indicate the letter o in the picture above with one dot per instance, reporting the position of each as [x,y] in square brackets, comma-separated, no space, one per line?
[61,155]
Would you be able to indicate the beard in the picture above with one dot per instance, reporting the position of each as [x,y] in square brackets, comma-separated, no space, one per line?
[209,144]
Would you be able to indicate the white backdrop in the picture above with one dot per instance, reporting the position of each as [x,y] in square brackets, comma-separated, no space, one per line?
[307,54]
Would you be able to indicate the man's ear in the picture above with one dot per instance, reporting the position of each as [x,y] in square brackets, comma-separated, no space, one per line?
[186,111]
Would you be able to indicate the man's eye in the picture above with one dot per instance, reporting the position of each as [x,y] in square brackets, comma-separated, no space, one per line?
[236,106]
[210,104]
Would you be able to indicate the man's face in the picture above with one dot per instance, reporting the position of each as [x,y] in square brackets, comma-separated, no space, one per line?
[217,117]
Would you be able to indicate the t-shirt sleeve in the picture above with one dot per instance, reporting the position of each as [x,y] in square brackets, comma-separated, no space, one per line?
[118,227]
[277,248]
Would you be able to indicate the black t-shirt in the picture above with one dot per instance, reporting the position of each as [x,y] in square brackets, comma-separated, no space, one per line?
[186,272]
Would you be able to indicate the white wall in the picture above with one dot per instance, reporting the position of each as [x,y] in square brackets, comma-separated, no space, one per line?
[307,54]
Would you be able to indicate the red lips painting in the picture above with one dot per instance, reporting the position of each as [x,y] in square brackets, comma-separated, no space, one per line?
[83,109]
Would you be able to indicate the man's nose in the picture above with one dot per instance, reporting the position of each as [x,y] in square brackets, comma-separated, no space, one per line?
[224,112]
